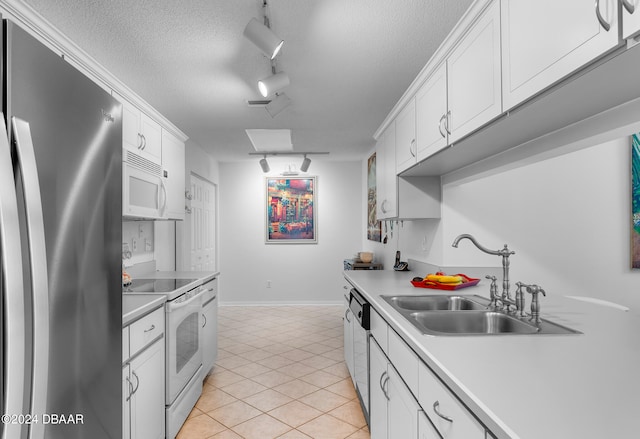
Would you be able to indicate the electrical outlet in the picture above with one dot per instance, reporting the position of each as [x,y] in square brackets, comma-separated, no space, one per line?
[268,284]
[134,244]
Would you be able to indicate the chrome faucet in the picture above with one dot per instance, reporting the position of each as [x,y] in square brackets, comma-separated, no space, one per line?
[505,253]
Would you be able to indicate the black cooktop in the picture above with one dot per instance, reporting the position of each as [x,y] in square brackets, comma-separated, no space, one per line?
[156,285]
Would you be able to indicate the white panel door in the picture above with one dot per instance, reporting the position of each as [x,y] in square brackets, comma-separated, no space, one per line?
[405,149]
[474,76]
[431,114]
[402,408]
[203,225]
[546,40]
[630,18]
[147,402]
[377,391]
[425,429]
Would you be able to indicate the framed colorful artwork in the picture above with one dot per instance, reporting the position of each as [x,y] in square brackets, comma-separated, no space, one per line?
[291,211]
[374,230]
[635,201]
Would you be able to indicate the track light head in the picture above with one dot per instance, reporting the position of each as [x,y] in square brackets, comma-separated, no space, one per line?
[272,84]
[278,104]
[264,165]
[304,167]
[263,38]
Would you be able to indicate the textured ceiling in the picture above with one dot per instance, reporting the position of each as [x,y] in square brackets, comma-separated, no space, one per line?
[349,62]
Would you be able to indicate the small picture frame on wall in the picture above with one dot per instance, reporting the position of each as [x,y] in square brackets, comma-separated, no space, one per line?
[291,210]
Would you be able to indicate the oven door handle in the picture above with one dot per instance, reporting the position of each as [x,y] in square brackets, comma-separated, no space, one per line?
[172,306]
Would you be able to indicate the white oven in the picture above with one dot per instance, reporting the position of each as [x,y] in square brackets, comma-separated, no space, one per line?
[183,357]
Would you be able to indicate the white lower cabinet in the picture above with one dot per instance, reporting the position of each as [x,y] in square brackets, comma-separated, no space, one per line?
[147,401]
[426,430]
[395,382]
[210,334]
[393,409]
[143,378]
[348,335]
[450,417]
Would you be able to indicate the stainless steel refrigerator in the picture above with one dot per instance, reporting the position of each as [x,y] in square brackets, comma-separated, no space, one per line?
[60,239]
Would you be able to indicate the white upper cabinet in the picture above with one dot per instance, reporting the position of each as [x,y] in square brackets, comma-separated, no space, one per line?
[386,180]
[630,18]
[474,76]
[140,134]
[431,114]
[173,170]
[405,150]
[545,40]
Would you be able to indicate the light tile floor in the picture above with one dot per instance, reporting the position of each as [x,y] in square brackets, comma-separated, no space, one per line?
[280,374]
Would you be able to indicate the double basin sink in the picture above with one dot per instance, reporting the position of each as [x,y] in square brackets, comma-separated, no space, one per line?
[466,315]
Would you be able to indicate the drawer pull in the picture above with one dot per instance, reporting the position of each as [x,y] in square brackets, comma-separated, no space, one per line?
[436,409]
[150,329]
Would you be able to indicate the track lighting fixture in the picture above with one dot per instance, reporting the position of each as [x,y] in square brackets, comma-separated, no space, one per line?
[272,84]
[304,167]
[263,37]
[264,165]
[277,104]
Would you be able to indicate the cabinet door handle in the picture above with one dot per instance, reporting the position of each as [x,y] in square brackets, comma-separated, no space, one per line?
[204,323]
[411,147]
[130,388]
[383,382]
[137,382]
[382,206]
[447,122]
[606,26]
[346,313]
[139,141]
[151,328]
[440,125]
[144,141]
[436,409]
[630,7]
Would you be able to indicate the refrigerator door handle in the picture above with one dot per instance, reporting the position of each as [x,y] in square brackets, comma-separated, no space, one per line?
[38,270]
[15,318]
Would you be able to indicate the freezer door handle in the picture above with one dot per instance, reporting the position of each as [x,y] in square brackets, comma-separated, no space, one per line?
[38,269]
[13,292]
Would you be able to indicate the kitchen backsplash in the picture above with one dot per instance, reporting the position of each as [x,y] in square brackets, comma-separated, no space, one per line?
[137,242]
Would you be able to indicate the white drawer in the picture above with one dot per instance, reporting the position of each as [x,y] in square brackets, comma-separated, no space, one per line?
[404,360]
[125,344]
[145,330]
[434,397]
[378,330]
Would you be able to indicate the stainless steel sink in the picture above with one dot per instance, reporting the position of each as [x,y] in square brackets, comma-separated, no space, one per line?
[471,322]
[436,303]
[466,315]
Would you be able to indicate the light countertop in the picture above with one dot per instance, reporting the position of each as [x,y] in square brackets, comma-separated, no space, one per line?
[137,305]
[531,386]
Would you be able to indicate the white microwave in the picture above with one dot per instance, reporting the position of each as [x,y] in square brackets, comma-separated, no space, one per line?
[144,193]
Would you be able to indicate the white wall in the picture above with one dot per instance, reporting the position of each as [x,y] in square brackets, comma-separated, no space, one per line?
[299,273]
[568,219]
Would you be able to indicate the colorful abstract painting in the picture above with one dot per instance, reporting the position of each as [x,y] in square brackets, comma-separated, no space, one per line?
[635,171]
[291,210]
[374,230]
